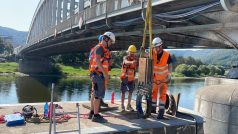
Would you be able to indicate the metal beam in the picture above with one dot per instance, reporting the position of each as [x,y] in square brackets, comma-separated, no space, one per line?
[59,8]
[195,28]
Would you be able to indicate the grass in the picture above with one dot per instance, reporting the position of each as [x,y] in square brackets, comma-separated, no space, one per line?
[115,72]
[79,71]
[73,71]
[8,67]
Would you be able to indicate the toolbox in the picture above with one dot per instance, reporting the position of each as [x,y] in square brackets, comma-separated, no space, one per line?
[14,119]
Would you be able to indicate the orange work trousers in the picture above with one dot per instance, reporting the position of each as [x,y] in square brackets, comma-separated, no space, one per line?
[162,88]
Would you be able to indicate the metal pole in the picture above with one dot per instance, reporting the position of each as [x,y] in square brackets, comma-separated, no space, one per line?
[51,106]
[78,117]
[54,119]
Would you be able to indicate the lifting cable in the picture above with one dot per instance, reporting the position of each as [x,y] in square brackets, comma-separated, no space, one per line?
[148,22]
[144,90]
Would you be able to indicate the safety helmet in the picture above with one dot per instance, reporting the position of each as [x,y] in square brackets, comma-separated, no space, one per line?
[100,37]
[132,49]
[111,36]
[157,42]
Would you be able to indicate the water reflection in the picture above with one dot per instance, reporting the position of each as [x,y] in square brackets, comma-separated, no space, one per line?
[187,88]
[38,89]
[7,90]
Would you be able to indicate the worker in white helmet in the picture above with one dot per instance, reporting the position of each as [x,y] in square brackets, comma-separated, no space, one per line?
[99,68]
[162,69]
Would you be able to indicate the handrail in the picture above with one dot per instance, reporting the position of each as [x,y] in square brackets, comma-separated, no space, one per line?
[87,14]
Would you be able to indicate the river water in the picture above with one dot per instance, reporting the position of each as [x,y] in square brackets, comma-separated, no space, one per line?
[37,89]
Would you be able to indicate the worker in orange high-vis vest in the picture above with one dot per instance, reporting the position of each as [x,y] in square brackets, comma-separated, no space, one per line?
[162,69]
[127,76]
[99,68]
[100,39]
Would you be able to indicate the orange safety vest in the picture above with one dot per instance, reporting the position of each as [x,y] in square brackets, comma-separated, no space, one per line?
[104,60]
[161,68]
[129,70]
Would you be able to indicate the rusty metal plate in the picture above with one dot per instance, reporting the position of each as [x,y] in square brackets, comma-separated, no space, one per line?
[145,71]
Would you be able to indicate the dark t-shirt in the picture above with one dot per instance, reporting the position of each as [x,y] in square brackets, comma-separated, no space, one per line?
[160,55]
[99,51]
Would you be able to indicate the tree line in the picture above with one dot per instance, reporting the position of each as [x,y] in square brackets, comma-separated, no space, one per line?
[184,66]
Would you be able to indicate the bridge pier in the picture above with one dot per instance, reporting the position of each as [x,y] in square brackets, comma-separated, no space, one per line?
[217,102]
[34,65]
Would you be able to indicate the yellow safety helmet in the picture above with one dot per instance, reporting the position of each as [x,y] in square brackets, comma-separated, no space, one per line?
[132,48]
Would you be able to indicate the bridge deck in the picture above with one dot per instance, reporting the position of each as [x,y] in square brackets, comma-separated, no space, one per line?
[117,122]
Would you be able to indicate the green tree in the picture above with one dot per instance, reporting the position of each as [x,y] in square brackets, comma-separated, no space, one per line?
[117,58]
[192,70]
[183,69]
[212,70]
[222,70]
[203,69]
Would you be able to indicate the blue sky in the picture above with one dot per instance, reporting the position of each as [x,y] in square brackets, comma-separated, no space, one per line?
[17,14]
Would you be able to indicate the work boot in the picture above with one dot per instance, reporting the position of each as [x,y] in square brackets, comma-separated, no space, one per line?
[129,108]
[90,115]
[161,114]
[122,108]
[98,118]
[103,104]
[153,109]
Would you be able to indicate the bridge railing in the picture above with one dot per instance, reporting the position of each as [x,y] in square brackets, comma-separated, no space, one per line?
[96,10]
[101,9]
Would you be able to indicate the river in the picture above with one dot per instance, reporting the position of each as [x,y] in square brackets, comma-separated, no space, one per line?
[37,89]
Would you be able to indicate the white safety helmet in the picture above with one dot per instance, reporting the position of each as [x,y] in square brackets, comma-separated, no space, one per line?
[157,42]
[111,36]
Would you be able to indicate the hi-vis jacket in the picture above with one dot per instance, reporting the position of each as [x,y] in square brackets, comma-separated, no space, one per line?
[104,60]
[129,70]
[161,68]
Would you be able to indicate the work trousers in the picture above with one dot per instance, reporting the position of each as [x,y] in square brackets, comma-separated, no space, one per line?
[162,89]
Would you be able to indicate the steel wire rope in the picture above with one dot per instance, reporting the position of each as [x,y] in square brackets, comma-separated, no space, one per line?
[182,15]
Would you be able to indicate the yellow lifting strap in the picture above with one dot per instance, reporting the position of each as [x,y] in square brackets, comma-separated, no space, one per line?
[148,22]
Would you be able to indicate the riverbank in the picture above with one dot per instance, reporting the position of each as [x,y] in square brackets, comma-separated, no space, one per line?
[8,67]
[72,71]
[11,68]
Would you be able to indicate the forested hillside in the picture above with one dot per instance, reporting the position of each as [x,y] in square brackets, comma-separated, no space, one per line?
[211,56]
[17,37]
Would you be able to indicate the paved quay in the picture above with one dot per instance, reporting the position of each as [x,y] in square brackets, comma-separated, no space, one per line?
[118,122]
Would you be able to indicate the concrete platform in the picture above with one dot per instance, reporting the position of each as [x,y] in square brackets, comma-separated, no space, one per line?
[118,122]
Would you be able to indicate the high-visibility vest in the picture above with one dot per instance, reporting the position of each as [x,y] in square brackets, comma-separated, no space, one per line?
[160,68]
[104,60]
[129,70]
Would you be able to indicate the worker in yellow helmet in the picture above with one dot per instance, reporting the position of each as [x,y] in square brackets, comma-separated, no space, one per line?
[127,76]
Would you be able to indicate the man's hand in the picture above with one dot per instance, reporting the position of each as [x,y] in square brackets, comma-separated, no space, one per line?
[134,62]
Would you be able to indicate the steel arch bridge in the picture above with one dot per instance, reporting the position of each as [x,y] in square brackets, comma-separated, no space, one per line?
[69,26]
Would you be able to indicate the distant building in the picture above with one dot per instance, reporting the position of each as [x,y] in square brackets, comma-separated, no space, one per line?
[17,49]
